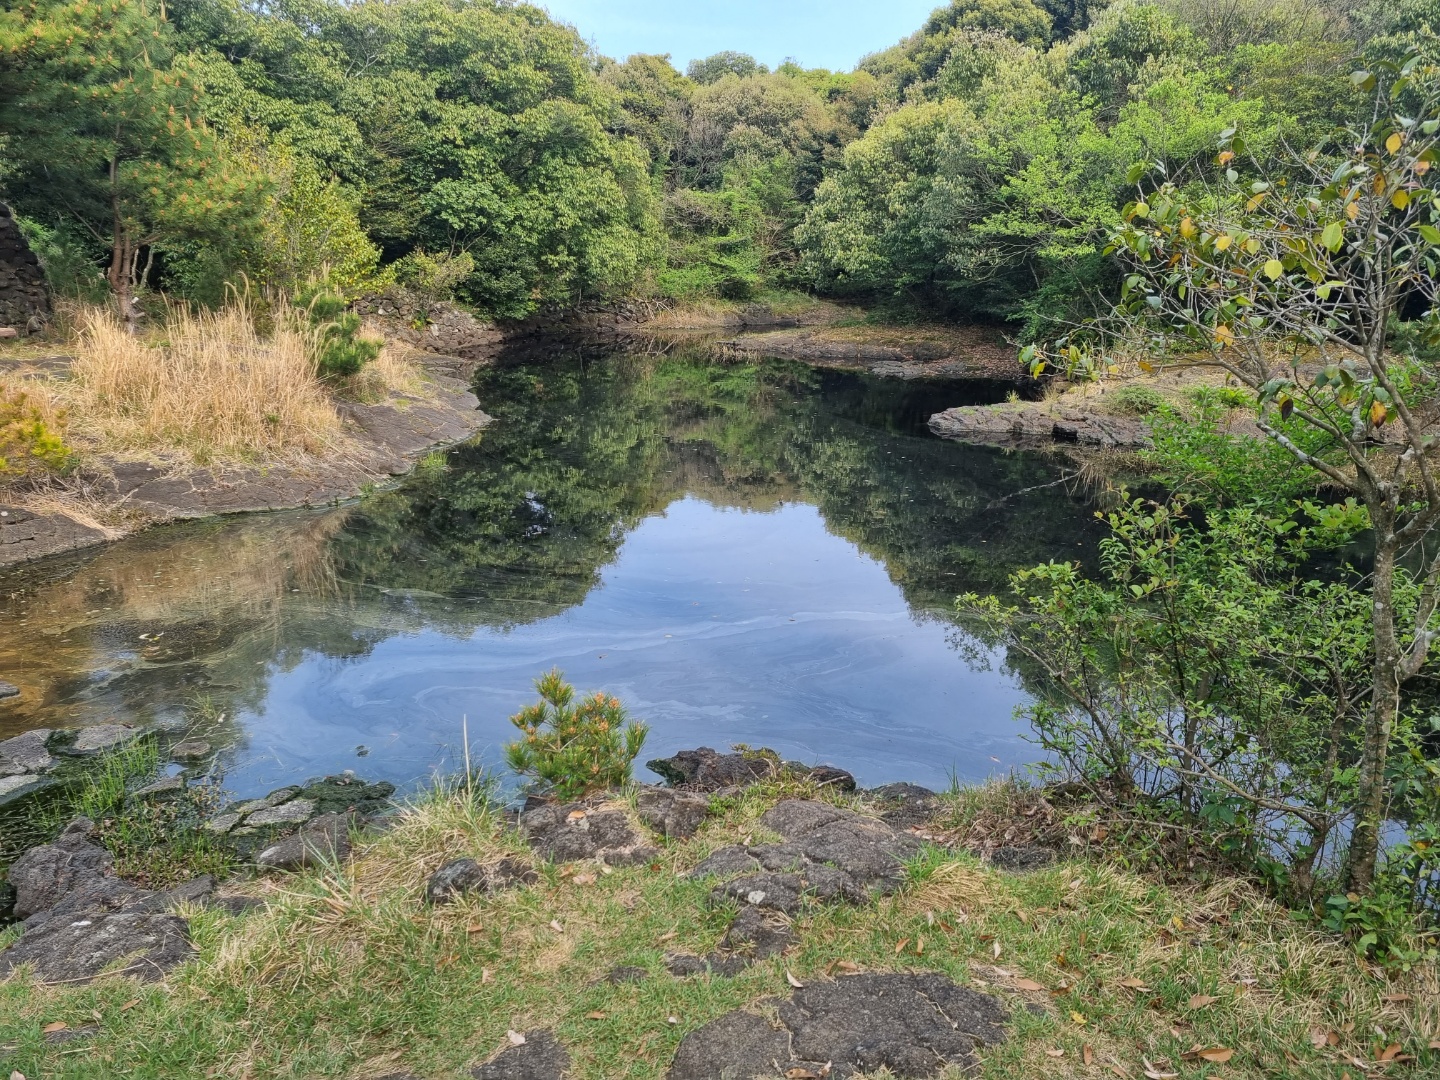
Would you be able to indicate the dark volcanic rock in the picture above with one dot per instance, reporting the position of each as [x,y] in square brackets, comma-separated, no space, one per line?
[626,974]
[830,776]
[569,832]
[190,749]
[705,769]
[1020,859]
[69,1034]
[101,737]
[738,1046]
[756,935]
[77,950]
[540,1057]
[322,840]
[829,853]
[675,815]
[26,753]
[43,875]
[914,1025]
[904,805]
[461,876]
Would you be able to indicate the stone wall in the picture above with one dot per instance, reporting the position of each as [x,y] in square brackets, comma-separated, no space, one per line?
[445,328]
[24,299]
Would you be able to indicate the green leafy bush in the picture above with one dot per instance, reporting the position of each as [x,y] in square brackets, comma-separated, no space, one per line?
[1133,399]
[340,350]
[27,438]
[574,749]
[1220,397]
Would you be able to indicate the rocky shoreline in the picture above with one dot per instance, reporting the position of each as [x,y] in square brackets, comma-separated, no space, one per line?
[386,440]
[81,921]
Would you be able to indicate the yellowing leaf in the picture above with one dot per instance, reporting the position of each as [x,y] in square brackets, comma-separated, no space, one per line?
[1401,199]
[1077,1018]
[1188,229]
[1218,1054]
[1377,413]
[1394,142]
[1254,202]
[1224,335]
[1352,210]
[1223,242]
[1274,268]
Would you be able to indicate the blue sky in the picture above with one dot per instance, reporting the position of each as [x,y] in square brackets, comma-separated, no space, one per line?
[818,33]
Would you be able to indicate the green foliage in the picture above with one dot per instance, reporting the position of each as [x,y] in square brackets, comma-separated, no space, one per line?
[27,441]
[716,67]
[570,749]
[1136,399]
[339,348]
[433,278]
[311,230]
[71,259]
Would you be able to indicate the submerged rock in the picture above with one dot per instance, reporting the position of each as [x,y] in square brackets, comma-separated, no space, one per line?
[161,789]
[8,690]
[13,788]
[540,1057]
[915,1025]
[27,753]
[190,750]
[101,737]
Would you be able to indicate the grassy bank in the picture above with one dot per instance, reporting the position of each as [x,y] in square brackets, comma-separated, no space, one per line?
[348,973]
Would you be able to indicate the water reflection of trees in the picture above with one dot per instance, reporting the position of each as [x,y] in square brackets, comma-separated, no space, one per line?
[517,525]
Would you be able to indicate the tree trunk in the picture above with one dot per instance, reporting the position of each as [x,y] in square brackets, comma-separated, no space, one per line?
[122,255]
[1380,724]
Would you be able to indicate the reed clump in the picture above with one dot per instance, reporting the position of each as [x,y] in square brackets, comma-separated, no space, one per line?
[211,385]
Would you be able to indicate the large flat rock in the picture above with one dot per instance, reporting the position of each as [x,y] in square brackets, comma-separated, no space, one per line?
[915,1025]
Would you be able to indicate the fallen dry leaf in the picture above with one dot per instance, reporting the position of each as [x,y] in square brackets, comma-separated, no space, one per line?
[996,950]
[474,928]
[793,981]
[484,975]
[1134,984]
[900,945]
[672,1019]
[1388,1054]
[919,946]
[555,925]
[1087,1054]
[58,1025]
[516,1039]
[1199,1001]
[1155,1073]
[1435,1044]
[1028,984]
[17,1075]
[1397,997]
[667,936]
[847,966]
[1057,1052]
[1217,1054]
[584,879]
[596,1015]
[129,1004]
[798,1073]
[575,815]
[1118,1071]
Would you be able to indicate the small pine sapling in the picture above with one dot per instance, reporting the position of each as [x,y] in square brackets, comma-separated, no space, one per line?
[573,749]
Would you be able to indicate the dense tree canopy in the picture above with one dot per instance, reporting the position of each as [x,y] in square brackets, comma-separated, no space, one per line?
[968,171]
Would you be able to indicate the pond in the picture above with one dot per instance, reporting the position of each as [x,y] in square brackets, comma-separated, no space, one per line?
[756,553]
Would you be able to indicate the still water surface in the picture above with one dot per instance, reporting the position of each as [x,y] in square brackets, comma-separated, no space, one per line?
[754,553]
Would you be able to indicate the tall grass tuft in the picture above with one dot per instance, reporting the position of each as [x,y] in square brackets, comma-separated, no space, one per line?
[214,386]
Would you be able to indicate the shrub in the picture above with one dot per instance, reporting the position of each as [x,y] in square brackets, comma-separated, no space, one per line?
[1136,400]
[28,437]
[574,749]
[1220,397]
[339,349]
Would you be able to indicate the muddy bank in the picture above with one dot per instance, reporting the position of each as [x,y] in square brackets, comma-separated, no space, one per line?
[385,440]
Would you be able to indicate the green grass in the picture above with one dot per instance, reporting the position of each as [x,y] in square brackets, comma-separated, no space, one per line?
[349,974]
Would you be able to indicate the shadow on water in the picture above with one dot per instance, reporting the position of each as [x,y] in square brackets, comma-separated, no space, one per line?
[760,550]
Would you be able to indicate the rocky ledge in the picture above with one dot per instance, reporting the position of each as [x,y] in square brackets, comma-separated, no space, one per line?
[386,441]
[1036,424]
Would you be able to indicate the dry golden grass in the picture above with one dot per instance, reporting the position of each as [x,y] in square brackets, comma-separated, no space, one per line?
[212,387]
